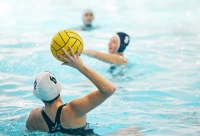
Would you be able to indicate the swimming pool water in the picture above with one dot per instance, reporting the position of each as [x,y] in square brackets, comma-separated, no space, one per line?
[158,90]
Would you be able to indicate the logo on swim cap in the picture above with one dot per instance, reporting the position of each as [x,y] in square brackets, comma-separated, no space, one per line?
[126,39]
[35,84]
[53,79]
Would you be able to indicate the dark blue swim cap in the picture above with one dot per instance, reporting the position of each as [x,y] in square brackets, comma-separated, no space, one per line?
[123,41]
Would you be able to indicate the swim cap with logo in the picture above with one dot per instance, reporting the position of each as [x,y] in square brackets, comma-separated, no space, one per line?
[46,87]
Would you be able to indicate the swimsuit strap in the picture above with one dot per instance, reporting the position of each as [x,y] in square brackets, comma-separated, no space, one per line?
[57,119]
[47,119]
[53,127]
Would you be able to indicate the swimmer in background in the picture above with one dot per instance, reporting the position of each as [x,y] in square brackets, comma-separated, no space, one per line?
[116,47]
[87,18]
[69,118]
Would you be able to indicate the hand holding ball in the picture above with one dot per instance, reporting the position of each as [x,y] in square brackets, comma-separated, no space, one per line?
[65,39]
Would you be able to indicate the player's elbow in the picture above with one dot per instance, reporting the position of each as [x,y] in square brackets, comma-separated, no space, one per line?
[112,89]
[120,61]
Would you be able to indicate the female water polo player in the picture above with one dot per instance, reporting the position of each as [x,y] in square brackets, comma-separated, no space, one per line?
[87,18]
[69,118]
[116,47]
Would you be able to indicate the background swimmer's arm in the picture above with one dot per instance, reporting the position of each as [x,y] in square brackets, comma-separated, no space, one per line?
[83,105]
[110,58]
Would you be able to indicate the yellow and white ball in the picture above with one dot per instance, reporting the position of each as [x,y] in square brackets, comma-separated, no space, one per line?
[64,39]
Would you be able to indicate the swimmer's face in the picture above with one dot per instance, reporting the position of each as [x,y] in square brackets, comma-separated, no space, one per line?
[88,18]
[113,45]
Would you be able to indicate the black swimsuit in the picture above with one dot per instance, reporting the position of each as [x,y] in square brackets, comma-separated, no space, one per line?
[56,127]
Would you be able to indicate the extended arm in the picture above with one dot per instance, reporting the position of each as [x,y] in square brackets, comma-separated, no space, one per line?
[110,58]
[105,89]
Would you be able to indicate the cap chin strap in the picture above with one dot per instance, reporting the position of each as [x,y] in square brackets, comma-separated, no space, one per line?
[117,36]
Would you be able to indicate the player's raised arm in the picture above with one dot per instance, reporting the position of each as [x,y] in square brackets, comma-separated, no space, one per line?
[93,99]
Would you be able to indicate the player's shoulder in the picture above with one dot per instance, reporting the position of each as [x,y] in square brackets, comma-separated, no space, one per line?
[35,113]
[33,118]
[36,110]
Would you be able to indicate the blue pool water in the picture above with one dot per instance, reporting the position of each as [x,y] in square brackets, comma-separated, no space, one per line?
[158,90]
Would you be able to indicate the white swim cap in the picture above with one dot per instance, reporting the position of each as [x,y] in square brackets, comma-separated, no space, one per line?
[46,87]
[87,10]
